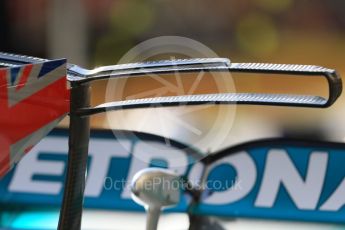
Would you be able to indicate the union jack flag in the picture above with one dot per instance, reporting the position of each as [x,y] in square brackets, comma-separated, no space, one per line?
[33,99]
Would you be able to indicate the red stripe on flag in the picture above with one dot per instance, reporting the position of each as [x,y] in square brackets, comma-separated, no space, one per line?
[4,141]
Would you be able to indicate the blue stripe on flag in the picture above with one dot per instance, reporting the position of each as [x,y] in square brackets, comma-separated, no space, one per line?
[14,74]
[50,66]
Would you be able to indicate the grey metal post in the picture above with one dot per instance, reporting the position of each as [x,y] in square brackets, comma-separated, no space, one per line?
[79,134]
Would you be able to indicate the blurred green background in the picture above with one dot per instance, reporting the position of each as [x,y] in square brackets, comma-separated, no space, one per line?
[301,31]
[93,33]
[99,32]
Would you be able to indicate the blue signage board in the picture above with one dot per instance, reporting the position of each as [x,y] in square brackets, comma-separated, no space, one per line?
[274,179]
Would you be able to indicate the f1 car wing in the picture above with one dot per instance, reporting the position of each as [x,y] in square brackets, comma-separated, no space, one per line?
[80,75]
[40,85]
